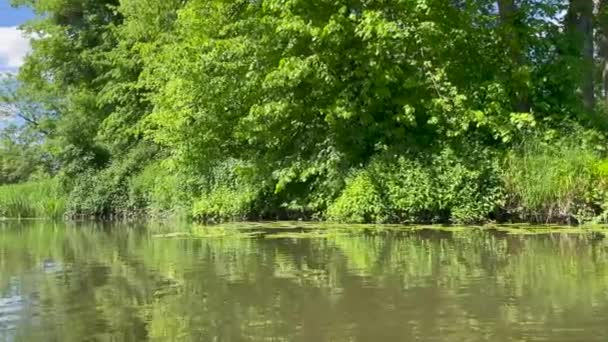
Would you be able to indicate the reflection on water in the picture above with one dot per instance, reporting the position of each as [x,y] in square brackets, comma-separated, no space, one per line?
[133,283]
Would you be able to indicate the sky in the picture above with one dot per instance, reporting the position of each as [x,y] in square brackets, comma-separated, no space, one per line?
[13,45]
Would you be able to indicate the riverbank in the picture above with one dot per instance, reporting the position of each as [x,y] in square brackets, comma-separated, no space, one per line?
[564,184]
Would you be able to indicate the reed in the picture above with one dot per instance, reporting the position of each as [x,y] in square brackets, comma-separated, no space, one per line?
[39,199]
[551,184]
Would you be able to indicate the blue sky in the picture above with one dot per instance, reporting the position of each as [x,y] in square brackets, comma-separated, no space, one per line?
[13,46]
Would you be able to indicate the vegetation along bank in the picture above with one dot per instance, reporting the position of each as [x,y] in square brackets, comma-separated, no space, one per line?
[347,110]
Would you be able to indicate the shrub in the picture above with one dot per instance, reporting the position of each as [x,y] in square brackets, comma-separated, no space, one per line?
[105,192]
[223,204]
[159,191]
[97,193]
[360,201]
[225,193]
[445,187]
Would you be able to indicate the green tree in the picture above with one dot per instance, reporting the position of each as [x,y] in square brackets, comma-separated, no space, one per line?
[286,100]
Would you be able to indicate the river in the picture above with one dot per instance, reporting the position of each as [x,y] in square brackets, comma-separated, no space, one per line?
[298,282]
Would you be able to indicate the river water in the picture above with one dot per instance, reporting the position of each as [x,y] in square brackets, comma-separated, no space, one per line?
[292,282]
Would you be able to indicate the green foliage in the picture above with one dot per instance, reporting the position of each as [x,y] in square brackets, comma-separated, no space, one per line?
[105,192]
[39,199]
[22,156]
[563,181]
[360,202]
[158,191]
[443,188]
[253,109]
[96,194]
[223,203]
[225,194]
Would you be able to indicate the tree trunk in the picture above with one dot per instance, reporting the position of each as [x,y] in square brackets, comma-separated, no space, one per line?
[579,23]
[602,30]
[509,20]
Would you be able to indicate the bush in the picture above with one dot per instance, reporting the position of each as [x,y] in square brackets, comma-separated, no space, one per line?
[360,201]
[105,192]
[40,199]
[159,192]
[223,204]
[445,187]
[100,194]
[225,194]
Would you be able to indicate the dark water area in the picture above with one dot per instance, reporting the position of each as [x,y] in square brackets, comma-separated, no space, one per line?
[90,282]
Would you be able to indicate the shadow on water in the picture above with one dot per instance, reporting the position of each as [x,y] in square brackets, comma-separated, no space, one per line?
[300,282]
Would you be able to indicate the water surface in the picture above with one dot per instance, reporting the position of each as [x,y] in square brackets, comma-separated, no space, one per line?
[85,282]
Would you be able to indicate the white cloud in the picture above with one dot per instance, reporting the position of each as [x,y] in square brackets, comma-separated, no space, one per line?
[14,45]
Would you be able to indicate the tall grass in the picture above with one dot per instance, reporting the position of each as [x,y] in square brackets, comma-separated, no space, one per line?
[40,199]
[552,183]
